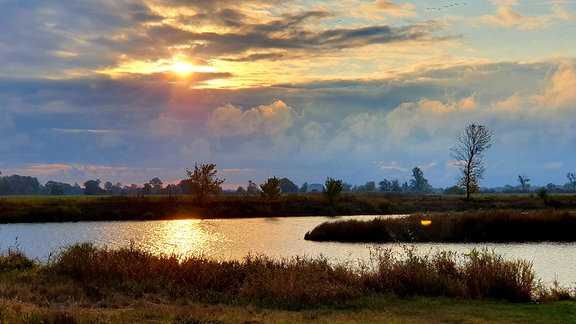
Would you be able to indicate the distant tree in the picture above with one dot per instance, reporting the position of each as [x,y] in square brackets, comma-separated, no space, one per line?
[203,182]
[405,186]
[571,180]
[370,186]
[240,190]
[454,190]
[524,183]
[346,187]
[156,184]
[332,189]
[385,185]
[92,187]
[395,185]
[304,187]
[184,186]
[287,186]
[173,190]
[146,189]
[108,186]
[56,189]
[468,154]
[252,188]
[271,189]
[418,183]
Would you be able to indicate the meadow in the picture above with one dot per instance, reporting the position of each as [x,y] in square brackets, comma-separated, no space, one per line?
[38,209]
[85,284]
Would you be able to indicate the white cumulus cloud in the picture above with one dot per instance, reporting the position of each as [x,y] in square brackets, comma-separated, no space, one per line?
[230,120]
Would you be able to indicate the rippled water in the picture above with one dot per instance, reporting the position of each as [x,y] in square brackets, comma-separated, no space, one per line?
[225,239]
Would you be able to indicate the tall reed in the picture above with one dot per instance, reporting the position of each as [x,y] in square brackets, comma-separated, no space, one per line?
[297,281]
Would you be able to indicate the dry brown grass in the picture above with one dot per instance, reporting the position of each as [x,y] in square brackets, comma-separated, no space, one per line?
[85,284]
[468,226]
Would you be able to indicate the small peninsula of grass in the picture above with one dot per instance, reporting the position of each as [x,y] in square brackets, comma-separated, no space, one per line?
[468,226]
[85,284]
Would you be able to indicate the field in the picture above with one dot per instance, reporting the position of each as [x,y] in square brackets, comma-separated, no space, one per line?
[95,208]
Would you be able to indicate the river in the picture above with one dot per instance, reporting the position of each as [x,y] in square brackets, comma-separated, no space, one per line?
[283,237]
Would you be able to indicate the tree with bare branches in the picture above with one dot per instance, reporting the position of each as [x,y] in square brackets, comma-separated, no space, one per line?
[468,153]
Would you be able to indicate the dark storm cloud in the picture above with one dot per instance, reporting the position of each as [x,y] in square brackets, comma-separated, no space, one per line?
[285,34]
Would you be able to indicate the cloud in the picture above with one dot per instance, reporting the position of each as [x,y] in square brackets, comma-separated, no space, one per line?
[393,166]
[429,166]
[508,17]
[230,121]
[559,91]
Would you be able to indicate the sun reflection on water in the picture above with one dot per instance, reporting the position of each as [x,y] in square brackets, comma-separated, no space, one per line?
[187,237]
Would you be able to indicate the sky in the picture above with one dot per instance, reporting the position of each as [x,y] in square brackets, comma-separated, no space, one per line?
[125,91]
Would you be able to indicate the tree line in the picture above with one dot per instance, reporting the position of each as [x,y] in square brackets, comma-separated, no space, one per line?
[202,181]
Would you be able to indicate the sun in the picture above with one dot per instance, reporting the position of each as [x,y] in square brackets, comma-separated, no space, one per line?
[182,68]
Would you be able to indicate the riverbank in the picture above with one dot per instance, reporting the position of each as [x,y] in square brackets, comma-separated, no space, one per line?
[87,284]
[39,209]
[495,226]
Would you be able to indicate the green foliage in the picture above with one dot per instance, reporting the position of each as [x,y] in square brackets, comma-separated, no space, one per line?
[271,189]
[332,190]
[203,182]
[418,183]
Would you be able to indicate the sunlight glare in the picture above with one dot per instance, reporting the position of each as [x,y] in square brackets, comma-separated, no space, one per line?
[182,68]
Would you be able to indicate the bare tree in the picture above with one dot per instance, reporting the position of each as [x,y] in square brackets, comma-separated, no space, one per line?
[468,154]
[203,181]
[524,182]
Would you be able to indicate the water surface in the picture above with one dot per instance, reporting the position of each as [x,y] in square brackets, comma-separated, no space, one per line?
[226,239]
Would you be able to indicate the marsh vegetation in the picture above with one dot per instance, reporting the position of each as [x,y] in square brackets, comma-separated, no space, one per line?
[468,226]
[83,280]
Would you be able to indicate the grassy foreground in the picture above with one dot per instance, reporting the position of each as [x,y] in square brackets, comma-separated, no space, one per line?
[85,284]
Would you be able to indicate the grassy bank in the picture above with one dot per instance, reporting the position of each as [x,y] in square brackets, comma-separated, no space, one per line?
[101,208]
[87,284]
[469,226]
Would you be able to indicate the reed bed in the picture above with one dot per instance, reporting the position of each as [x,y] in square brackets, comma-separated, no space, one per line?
[467,226]
[83,277]
[297,282]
